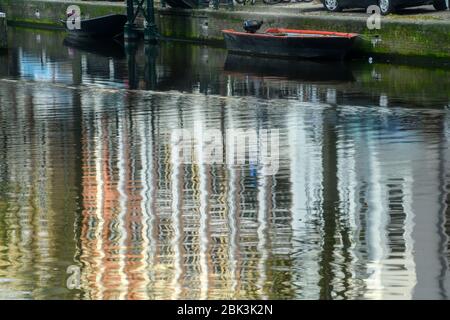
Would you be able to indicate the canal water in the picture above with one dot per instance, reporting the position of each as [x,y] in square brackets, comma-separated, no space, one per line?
[97,202]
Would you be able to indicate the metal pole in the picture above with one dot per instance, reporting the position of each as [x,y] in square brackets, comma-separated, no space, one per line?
[130,27]
[151,53]
[150,32]
[133,77]
[130,11]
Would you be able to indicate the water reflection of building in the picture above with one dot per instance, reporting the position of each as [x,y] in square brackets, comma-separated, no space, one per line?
[403,207]
[339,220]
[38,191]
[348,215]
[358,208]
[179,214]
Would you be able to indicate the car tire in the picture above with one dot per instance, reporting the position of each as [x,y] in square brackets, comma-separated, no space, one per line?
[386,7]
[332,5]
[440,5]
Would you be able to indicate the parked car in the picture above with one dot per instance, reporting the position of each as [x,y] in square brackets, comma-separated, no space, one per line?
[386,6]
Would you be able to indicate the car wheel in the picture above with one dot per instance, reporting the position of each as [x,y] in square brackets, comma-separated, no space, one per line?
[386,7]
[332,5]
[440,5]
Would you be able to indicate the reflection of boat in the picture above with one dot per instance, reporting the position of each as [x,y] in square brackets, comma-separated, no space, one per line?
[306,70]
[101,27]
[186,4]
[102,47]
[191,3]
[178,4]
[289,43]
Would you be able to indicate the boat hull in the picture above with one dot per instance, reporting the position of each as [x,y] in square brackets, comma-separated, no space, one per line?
[332,46]
[102,27]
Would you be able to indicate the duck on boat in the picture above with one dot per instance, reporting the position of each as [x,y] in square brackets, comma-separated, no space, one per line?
[289,43]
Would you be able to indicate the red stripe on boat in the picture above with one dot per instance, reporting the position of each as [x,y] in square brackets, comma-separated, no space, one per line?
[273,32]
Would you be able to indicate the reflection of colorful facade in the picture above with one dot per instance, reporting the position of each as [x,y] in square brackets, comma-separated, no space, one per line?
[349,214]
[160,228]
[175,219]
[333,223]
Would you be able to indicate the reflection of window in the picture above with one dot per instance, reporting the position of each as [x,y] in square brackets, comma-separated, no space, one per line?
[38,67]
[33,67]
[384,101]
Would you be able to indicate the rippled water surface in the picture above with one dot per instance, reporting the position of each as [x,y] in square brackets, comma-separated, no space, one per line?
[91,177]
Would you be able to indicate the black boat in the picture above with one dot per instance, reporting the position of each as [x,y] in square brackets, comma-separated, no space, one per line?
[109,26]
[288,43]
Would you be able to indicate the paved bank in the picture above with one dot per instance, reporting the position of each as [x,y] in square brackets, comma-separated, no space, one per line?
[419,34]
